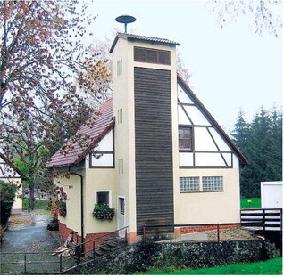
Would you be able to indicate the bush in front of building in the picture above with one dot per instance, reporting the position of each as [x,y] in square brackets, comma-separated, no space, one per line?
[53,225]
[7,195]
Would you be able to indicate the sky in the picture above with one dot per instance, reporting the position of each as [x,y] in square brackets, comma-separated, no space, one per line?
[231,68]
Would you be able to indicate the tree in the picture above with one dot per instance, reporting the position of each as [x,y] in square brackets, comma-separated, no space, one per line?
[261,142]
[42,55]
[264,15]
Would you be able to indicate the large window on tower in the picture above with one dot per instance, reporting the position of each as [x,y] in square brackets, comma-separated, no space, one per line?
[185,138]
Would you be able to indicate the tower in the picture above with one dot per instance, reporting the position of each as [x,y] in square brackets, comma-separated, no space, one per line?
[144,106]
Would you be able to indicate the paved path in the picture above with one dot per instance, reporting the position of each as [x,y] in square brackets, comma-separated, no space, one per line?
[27,233]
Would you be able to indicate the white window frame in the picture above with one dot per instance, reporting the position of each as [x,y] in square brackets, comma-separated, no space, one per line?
[110,196]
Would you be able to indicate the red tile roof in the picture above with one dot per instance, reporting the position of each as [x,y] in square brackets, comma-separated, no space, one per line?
[85,139]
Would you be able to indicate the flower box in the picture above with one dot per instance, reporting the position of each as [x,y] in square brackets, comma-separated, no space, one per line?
[103,212]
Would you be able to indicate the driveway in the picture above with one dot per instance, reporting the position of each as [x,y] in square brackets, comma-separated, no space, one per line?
[27,234]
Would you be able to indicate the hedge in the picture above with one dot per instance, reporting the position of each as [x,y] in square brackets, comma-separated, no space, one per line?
[7,195]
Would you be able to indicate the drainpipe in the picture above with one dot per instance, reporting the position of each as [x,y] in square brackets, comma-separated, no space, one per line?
[82,209]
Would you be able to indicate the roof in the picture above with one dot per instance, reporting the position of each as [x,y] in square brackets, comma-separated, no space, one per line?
[152,40]
[211,119]
[91,133]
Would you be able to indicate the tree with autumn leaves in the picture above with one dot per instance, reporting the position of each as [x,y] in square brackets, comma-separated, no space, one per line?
[45,71]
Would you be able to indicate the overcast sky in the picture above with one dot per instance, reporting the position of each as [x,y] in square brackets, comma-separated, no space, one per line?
[231,68]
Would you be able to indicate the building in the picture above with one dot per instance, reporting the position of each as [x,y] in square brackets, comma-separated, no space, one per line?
[271,194]
[9,175]
[153,152]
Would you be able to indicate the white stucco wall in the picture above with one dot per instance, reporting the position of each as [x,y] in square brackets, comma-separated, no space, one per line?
[209,207]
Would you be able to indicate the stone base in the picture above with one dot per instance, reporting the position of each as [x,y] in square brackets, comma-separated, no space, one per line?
[92,239]
[16,211]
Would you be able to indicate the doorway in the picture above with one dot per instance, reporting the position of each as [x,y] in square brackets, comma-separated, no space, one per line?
[121,215]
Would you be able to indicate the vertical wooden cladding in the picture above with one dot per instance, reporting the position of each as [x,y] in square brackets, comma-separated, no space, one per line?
[153,137]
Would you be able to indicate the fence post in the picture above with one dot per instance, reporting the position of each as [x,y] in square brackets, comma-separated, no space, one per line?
[280,220]
[125,236]
[218,232]
[25,266]
[144,232]
[263,222]
[94,249]
[61,266]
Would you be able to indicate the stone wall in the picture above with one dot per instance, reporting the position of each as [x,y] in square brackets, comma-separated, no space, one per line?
[142,256]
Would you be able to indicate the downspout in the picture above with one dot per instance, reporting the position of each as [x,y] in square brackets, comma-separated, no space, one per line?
[82,208]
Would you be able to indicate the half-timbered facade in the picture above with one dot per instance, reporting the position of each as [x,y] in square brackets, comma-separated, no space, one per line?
[9,175]
[154,153]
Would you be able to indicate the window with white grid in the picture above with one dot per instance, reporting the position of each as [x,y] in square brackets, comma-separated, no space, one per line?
[188,184]
[212,183]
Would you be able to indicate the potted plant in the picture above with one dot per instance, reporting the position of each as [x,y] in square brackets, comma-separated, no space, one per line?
[103,212]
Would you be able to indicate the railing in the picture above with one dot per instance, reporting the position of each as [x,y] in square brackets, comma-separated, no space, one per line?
[34,262]
[90,256]
[262,219]
[148,229]
[28,262]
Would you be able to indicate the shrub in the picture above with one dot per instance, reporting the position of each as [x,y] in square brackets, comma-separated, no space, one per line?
[103,212]
[53,225]
[7,195]
[62,208]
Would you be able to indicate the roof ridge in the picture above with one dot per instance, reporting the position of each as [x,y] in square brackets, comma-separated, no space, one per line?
[153,40]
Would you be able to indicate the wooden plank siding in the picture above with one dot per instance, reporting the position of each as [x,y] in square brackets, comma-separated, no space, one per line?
[153,138]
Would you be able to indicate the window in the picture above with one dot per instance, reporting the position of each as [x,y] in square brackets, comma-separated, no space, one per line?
[212,183]
[122,206]
[185,138]
[101,159]
[103,197]
[119,116]
[119,67]
[150,55]
[120,166]
[188,184]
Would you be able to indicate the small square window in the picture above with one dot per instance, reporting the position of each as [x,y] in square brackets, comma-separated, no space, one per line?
[185,138]
[212,183]
[103,198]
[189,184]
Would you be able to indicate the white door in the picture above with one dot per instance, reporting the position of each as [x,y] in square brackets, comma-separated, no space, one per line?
[121,216]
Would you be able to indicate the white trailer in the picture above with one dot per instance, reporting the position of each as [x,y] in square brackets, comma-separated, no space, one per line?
[271,194]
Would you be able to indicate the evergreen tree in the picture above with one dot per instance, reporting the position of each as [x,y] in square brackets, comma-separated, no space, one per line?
[261,143]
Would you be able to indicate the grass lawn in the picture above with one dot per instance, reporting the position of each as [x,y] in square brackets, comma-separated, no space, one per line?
[39,204]
[250,203]
[272,266]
